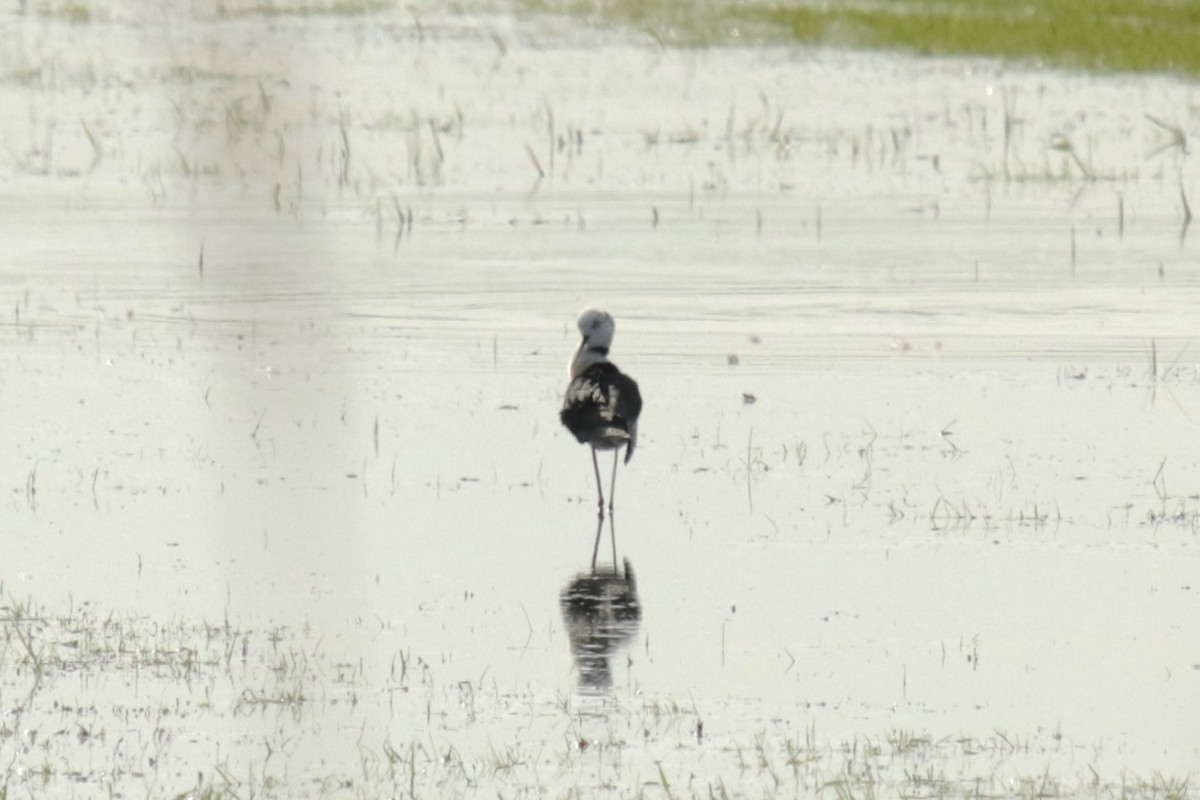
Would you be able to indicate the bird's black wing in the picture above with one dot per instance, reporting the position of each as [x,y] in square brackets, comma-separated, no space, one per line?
[601,402]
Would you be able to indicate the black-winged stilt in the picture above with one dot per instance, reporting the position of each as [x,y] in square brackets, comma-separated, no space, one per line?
[602,403]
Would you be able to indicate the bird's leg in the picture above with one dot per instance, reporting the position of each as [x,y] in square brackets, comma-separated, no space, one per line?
[612,487]
[596,547]
[612,515]
[599,488]
[612,530]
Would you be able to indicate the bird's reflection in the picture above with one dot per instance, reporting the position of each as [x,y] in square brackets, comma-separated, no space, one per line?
[602,612]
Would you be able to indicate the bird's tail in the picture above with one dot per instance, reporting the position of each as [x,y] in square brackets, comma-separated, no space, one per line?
[632,442]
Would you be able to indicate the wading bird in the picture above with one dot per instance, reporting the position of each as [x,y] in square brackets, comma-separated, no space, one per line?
[602,403]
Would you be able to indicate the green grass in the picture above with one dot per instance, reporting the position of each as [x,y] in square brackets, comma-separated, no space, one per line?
[301,8]
[77,12]
[1105,35]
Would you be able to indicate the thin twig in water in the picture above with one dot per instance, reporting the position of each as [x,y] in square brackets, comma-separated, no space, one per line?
[1072,249]
[537,164]
[1160,482]
[1187,214]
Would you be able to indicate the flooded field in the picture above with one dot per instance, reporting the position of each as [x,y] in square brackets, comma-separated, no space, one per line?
[288,295]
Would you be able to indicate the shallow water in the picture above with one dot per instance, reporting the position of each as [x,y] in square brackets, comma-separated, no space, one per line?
[290,511]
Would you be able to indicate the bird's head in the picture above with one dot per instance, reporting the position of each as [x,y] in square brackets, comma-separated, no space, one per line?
[596,327]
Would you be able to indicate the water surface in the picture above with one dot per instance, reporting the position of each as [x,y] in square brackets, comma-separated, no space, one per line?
[290,511]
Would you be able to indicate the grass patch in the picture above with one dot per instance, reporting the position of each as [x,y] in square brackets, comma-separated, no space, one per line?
[100,704]
[301,8]
[1105,35]
[77,12]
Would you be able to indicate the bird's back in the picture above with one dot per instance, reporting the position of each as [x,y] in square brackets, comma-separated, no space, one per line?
[601,408]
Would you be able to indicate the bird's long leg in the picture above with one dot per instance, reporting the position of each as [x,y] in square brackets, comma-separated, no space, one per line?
[612,515]
[596,547]
[612,486]
[599,488]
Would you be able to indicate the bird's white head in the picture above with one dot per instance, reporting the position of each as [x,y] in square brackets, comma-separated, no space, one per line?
[596,327]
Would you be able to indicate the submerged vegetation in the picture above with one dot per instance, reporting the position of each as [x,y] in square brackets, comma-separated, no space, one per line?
[100,703]
[1141,35]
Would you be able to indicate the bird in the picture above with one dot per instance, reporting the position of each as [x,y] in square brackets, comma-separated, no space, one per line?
[602,404]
